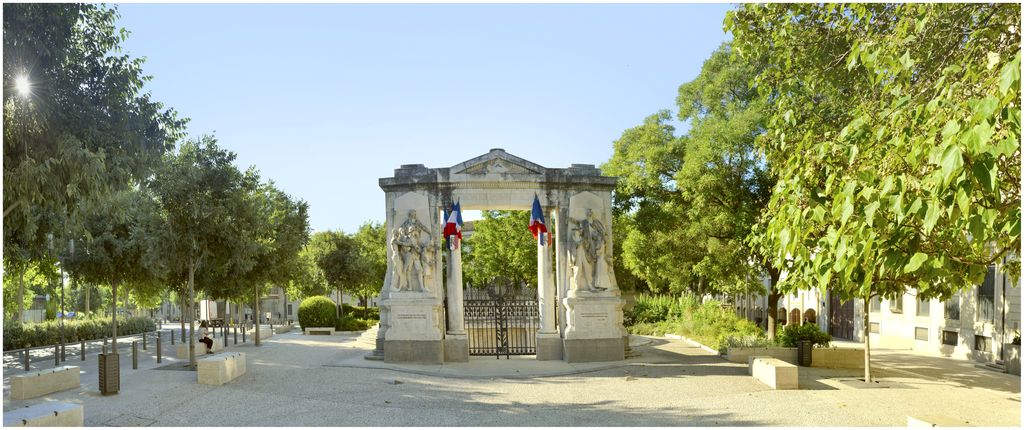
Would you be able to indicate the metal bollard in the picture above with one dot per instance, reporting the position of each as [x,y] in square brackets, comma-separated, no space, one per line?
[56,355]
[236,335]
[158,355]
[135,354]
[25,355]
[243,334]
[172,336]
[224,335]
[81,350]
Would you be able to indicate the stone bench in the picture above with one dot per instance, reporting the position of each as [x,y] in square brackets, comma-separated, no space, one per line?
[320,330]
[935,421]
[774,373]
[49,414]
[181,350]
[283,329]
[219,369]
[41,382]
[265,333]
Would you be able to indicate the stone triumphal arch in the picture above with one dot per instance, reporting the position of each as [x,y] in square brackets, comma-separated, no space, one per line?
[580,292]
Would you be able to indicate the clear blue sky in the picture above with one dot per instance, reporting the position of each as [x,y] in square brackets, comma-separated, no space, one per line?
[326,98]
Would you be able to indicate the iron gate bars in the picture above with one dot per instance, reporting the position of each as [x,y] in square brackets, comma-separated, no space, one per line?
[501,319]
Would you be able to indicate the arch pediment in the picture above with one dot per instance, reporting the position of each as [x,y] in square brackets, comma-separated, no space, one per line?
[497,161]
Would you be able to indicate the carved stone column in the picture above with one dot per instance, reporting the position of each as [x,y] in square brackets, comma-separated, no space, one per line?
[456,341]
[549,342]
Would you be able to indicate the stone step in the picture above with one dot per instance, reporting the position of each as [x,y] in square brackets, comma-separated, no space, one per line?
[369,337]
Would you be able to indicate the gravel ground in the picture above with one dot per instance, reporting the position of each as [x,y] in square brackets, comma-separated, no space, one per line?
[295,380]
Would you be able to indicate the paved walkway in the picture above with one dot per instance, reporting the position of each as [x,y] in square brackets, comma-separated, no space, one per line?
[295,380]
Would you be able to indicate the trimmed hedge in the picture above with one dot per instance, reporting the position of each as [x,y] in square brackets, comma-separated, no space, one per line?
[351,323]
[810,331]
[369,313]
[317,311]
[17,336]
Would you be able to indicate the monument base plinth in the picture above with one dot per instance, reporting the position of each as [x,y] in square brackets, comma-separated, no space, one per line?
[549,346]
[591,350]
[456,348]
[414,351]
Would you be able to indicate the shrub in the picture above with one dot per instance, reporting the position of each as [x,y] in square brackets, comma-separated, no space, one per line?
[17,336]
[351,323]
[810,332]
[361,312]
[708,323]
[317,311]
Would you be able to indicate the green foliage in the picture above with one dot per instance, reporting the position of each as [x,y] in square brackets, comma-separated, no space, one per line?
[86,128]
[501,246]
[352,323]
[368,313]
[18,336]
[317,311]
[748,341]
[793,333]
[371,240]
[895,136]
[708,323]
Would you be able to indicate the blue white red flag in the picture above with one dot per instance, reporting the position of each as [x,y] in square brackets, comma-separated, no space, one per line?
[453,226]
[537,226]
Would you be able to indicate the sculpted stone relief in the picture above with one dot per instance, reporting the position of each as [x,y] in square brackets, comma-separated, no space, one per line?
[410,256]
[587,257]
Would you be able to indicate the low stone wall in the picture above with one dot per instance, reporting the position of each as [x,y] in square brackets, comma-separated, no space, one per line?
[1012,358]
[219,369]
[265,333]
[42,382]
[775,373]
[320,330]
[832,358]
[49,414]
[283,329]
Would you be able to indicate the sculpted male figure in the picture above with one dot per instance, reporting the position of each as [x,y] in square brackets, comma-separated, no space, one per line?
[409,254]
[588,255]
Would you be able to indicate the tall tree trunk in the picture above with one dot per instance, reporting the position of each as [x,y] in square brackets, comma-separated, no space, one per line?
[256,316]
[191,321]
[88,299]
[21,295]
[773,301]
[181,314]
[867,338]
[113,318]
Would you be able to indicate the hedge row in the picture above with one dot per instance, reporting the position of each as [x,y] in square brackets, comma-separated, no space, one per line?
[351,323]
[17,336]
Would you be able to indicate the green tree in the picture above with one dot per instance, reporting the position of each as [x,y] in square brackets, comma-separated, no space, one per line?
[371,240]
[117,246]
[83,129]
[201,192]
[895,136]
[338,261]
[501,246]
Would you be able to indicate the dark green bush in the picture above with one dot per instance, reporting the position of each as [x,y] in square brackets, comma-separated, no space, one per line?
[810,331]
[317,311]
[351,323]
[361,312]
[17,336]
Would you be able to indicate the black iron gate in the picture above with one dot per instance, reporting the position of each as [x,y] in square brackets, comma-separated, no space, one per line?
[501,319]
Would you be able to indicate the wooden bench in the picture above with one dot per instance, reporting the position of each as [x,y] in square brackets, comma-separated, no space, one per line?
[935,421]
[49,414]
[219,369]
[775,373]
[181,351]
[42,382]
[320,330]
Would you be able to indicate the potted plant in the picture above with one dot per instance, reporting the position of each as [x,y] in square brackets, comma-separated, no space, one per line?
[804,338]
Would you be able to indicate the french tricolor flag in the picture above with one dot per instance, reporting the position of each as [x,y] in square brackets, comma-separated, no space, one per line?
[537,226]
[453,226]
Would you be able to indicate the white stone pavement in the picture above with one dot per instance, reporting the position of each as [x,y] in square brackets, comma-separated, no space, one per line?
[298,380]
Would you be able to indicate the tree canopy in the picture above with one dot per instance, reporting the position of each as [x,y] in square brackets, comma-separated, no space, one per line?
[501,246]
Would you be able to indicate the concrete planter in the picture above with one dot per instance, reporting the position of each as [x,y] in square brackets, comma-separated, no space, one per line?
[741,354]
[1012,353]
[832,358]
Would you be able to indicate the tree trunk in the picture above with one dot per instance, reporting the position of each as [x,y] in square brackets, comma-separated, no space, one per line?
[181,314]
[21,296]
[867,338]
[113,317]
[88,305]
[256,317]
[191,321]
[773,302]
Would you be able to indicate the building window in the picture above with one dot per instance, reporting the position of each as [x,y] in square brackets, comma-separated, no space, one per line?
[923,306]
[876,304]
[875,327]
[949,338]
[289,309]
[951,308]
[921,333]
[896,305]
[987,296]
[982,343]
[782,316]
